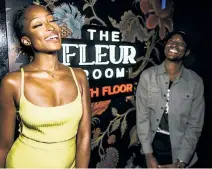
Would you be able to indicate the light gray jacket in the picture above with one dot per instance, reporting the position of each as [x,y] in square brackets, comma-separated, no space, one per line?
[186,110]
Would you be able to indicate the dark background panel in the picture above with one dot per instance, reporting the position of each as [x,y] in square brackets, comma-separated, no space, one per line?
[3,42]
[194,18]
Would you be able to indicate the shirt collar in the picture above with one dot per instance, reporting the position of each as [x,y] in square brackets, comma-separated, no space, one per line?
[161,70]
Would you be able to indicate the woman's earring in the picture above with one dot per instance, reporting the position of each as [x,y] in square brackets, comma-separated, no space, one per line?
[27,43]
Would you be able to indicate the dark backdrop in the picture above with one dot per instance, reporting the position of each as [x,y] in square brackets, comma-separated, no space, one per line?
[194,18]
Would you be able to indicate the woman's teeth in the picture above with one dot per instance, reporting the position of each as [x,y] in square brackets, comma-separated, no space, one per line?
[52,37]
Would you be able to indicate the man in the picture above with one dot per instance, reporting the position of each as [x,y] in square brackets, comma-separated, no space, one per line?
[170,109]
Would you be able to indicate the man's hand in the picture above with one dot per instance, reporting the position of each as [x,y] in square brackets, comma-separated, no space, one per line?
[178,164]
[168,166]
[151,162]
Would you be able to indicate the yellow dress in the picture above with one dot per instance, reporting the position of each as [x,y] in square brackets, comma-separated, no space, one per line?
[47,136]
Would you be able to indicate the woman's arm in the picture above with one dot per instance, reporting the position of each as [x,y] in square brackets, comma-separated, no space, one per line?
[84,130]
[7,117]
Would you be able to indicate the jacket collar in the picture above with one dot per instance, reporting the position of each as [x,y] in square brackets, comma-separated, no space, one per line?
[160,70]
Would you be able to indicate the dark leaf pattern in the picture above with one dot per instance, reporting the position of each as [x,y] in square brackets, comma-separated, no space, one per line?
[123,127]
[133,137]
[115,125]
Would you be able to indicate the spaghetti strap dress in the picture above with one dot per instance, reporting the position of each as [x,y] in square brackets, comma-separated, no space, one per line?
[47,135]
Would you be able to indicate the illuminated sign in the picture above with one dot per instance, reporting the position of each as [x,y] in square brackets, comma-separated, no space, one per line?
[99,61]
[102,55]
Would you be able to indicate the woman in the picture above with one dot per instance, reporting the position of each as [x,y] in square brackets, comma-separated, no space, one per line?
[53,102]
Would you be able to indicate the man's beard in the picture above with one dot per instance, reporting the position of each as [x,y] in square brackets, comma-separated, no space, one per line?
[175,60]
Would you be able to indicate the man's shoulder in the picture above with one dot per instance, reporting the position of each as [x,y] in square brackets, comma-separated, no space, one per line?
[192,75]
[150,72]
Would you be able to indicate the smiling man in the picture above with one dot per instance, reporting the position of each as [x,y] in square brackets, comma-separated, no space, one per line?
[170,109]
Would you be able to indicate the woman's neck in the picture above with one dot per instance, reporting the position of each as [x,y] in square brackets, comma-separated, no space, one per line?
[46,61]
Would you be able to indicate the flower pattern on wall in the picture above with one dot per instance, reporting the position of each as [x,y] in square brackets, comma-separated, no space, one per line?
[157,15]
[99,107]
[110,160]
[69,19]
[134,27]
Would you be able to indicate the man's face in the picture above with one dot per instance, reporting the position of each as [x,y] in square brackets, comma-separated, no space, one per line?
[175,48]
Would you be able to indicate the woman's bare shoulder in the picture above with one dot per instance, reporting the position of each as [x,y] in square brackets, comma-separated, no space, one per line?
[11,80]
[80,74]
[12,77]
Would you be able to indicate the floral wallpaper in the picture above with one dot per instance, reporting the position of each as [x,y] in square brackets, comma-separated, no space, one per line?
[114,139]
